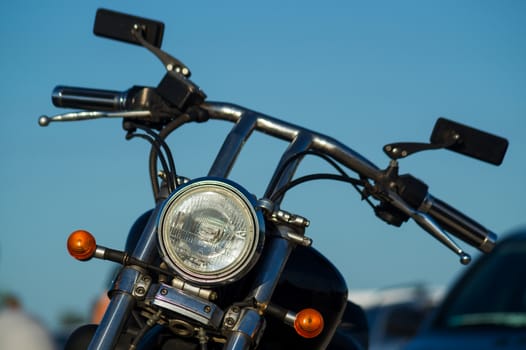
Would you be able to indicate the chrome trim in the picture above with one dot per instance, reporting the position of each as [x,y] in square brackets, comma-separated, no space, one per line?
[489,242]
[197,309]
[290,318]
[426,204]
[99,252]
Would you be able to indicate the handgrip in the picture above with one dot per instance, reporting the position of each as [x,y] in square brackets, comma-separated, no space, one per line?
[89,99]
[459,225]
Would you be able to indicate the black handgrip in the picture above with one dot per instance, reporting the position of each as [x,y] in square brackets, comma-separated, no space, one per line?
[459,224]
[89,99]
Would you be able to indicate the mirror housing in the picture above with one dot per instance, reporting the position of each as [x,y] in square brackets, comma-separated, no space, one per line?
[469,141]
[458,138]
[119,26]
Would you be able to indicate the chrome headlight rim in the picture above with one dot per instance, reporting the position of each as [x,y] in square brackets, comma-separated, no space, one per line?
[250,255]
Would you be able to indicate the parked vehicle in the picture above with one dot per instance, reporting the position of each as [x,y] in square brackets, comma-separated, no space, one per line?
[214,266]
[486,307]
[395,314]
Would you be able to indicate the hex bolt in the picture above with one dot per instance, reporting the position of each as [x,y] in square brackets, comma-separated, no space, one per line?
[229,321]
[164,291]
[207,309]
[140,290]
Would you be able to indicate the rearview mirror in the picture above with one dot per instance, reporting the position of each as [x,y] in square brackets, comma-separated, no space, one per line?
[119,26]
[469,141]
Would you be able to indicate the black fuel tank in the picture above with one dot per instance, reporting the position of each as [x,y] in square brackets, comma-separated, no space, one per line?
[308,281]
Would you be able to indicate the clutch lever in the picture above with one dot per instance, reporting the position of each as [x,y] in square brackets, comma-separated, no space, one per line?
[88,115]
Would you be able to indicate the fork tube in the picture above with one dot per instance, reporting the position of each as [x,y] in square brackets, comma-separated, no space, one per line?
[122,300]
[146,248]
[232,146]
[278,252]
[110,328]
[250,324]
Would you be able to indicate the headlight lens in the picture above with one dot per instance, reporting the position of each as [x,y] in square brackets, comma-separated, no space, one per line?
[209,231]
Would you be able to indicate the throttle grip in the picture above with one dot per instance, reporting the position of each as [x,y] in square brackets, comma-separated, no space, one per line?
[459,225]
[89,99]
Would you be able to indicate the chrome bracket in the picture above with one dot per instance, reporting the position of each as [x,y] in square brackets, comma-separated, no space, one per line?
[231,317]
[191,289]
[141,286]
[247,329]
[185,304]
[280,216]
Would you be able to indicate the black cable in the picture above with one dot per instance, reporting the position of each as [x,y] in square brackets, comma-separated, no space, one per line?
[150,322]
[279,193]
[278,174]
[156,146]
[162,146]
[355,183]
[163,134]
[167,151]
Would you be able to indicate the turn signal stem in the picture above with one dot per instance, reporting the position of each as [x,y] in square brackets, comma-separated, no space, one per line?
[82,246]
[112,255]
[281,314]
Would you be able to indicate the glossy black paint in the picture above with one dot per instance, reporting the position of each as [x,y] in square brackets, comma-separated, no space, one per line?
[309,280]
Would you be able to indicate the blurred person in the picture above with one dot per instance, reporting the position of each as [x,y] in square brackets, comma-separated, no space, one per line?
[99,308]
[21,331]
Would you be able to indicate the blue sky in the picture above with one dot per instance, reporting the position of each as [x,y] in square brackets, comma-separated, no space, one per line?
[366,73]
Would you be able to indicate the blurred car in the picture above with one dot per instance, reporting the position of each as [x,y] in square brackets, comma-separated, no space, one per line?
[486,308]
[394,314]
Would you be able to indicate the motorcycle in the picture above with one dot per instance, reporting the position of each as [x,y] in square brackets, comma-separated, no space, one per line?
[212,265]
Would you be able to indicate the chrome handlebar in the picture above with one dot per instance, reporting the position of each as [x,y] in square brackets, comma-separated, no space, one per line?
[434,215]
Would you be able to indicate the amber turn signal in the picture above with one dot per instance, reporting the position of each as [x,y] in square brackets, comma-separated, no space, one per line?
[81,245]
[308,323]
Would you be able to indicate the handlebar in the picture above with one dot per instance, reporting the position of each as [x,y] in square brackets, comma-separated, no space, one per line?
[301,140]
[138,102]
[460,225]
[448,218]
[89,99]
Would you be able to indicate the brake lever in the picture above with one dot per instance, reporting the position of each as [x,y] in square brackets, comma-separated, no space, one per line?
[88,115]
[430,226]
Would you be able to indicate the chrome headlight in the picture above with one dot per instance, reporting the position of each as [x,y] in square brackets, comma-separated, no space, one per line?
[209,231]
